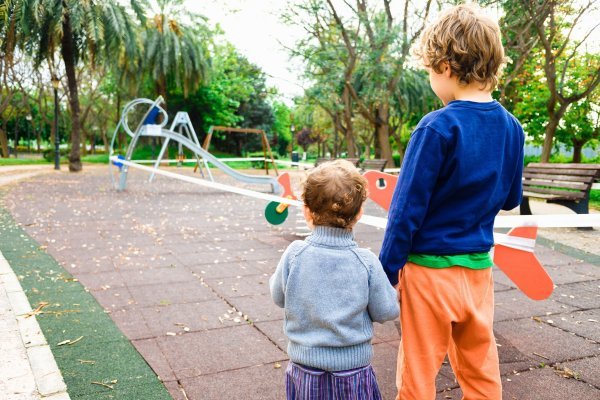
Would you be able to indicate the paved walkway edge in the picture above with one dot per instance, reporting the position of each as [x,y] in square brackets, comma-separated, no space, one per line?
[96,360]
[570,251]
[41,374]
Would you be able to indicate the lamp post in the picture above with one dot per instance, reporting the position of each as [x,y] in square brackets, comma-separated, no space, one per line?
[292,129]
[55,83]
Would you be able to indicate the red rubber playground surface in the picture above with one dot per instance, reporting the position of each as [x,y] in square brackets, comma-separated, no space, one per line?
[183,272]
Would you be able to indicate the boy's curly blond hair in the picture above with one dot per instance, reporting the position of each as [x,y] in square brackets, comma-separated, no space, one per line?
[469,41]
[334,192]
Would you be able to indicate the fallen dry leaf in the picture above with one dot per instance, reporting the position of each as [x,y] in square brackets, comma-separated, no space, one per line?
[103,384]
[75,341]
[567,372]
[37,310]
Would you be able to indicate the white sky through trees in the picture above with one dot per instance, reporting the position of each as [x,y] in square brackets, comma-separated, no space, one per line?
[254,28]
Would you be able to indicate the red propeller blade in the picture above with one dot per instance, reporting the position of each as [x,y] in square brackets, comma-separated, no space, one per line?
[522,267]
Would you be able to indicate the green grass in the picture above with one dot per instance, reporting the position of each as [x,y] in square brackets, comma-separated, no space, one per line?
[22,161]
[560,159]
[595,199]
[73,313]
[95,158]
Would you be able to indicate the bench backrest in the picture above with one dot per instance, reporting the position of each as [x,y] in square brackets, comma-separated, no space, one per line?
[321,160]
[376,164]
[553,179]
[354,161]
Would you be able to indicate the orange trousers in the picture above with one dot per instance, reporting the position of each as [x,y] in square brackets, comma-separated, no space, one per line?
[447,311]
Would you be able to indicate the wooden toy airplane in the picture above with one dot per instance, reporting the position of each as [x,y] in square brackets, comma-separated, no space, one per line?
[520,265]
[275,212]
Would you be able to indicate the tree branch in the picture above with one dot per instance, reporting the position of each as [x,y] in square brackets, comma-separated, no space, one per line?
[573,53]
[568,37]
[364,111]
[586,92]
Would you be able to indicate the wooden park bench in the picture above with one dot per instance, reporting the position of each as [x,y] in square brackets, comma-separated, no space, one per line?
[355,161]
[321,160]
[565,184]
[374,164]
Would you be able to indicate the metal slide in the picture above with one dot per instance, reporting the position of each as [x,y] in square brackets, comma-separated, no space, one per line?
[188,140]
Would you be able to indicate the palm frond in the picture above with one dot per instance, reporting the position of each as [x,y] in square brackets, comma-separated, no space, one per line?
[139,8]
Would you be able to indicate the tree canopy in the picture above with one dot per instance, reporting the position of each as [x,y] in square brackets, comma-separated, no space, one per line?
[364,92]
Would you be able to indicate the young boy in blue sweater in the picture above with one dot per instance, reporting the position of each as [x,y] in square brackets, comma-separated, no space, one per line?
[332,291]
[462,166]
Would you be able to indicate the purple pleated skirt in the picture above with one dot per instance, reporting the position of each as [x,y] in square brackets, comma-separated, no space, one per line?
[305,383]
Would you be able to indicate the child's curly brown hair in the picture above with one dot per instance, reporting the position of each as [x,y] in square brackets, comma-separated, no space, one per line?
[468,41]
[334,193]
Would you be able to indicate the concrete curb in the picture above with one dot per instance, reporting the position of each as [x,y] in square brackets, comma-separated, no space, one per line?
[30,368]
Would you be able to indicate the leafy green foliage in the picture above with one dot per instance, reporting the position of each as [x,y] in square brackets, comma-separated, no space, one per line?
[595,199]
[356,63]
[580,123]
[568,74]
[235,95]
[176,52]
[282,134]
[49,154]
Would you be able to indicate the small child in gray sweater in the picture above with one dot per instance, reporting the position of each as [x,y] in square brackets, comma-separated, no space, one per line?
[332,291]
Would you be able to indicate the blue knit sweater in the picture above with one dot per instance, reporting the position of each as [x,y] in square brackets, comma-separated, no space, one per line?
[463,164]
[332,291]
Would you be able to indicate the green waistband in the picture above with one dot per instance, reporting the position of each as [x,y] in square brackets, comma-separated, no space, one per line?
[469,260]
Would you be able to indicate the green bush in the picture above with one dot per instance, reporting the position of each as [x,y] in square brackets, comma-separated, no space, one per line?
[595,199]
[96,158]
[530,159]
[562,159]
[48,154]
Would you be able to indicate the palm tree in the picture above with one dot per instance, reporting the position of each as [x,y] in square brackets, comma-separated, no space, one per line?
[89,31]
[176,52]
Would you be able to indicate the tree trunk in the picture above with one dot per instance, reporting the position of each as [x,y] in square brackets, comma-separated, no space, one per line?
[548,139]
[383,134]
[336,128]
[93,144]
[550,131]
[350,144]
[38,140]
[4,143]
[105,141]
[68,55]
[577,148]
[121,138]
[348,121]
[161,89]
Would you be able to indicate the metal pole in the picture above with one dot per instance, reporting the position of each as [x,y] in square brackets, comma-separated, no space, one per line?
[56,138]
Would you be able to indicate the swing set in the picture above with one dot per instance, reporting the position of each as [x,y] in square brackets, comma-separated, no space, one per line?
[265,145]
